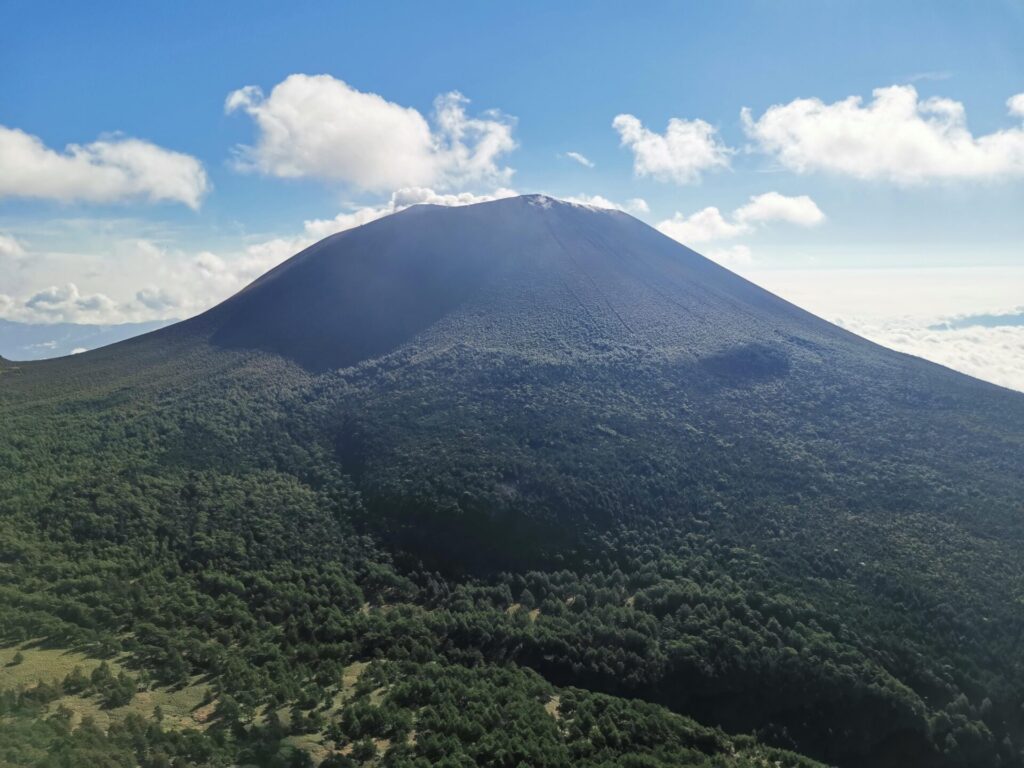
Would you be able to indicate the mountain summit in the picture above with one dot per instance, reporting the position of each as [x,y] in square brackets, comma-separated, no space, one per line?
[556,464]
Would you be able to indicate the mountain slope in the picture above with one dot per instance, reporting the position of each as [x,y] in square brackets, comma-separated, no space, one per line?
[524,274]
[535,435]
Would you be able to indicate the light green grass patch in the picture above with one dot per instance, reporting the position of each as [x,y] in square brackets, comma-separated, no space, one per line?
[43,665]
[186,707]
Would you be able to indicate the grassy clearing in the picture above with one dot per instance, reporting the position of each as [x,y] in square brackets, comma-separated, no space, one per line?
[351,676]
[182,708]
[552,705]
[313,744]
[187,707]
[43,665]
[317,745]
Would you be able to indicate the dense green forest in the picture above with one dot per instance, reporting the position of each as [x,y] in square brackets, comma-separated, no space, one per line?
[463,553]
[235,526]
[243,569]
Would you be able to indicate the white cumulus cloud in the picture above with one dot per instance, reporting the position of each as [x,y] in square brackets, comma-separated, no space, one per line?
[772,206]
[897,137]
[111,169]
[318,126]
[701,227]
[710,224]
[67,303]
[682,154]
[1016,105]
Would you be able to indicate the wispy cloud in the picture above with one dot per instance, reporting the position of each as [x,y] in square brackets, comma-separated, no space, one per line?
[581,159]
[10,248]
[636,205]
[935,76]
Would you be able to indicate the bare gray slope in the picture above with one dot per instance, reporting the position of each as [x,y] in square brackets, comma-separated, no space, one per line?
[528,274]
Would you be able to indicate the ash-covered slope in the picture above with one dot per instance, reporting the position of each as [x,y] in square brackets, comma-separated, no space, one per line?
[527,274]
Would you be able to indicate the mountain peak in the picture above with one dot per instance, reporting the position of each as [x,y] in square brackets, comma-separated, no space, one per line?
[525,202]
[543,201]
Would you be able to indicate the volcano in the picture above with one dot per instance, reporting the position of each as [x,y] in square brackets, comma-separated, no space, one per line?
[536,436]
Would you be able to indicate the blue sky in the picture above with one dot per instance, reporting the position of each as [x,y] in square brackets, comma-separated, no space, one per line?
[556,75]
